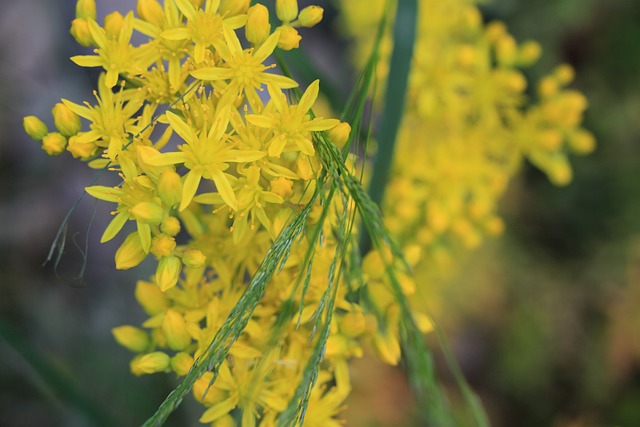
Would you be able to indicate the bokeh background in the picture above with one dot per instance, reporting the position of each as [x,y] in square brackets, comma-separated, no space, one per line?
[544,321]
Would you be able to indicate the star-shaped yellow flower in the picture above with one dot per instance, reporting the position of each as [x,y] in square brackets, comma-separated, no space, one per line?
[291,124]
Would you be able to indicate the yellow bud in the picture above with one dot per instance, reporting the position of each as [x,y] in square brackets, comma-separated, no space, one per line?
[82,150]
[150,363]
[34,127]
[287,10]
[168,272]
[550,139]
[423,322]
[152,300]
[353,324]
[289,38]
[559,171]
[193,258]
[181,363]
[337,345]
[162,245]
[529,53]
[494,226]
[147,212]
[80,32]
[170,226]
[170,188]
[233,7]
[130,253]
[564,73]
[150,11]
[86,9]
[225,421]
[506,50]
[66,121]
[282,186]
[113,24]
[204,392]
[135,339]
[387,347]
[466,55]
[495,30]
[339,134]
[373,265]
[310,16]
[175,330]
[54,143]
[258,28]
[548,86]
[582,142]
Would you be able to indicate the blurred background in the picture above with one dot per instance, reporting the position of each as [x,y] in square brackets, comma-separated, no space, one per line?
[544,321]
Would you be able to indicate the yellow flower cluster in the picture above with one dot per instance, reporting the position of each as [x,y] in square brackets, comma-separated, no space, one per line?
[213,167]
[468,123]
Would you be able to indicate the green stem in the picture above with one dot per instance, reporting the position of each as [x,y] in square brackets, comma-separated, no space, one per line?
[404,34]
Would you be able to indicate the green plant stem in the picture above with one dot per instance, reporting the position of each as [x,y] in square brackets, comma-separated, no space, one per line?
[404,35]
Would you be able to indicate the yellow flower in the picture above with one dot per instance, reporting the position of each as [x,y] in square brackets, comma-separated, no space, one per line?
[116,55]
[206,155]
[291,124]
[244,69]
[204,27]
[111,120]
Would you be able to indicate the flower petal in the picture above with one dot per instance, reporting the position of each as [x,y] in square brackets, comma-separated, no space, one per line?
[224,188]
[108,194]
[189,189]
[260,120]
[114,227]
[212,73]
[176,34]
[88,60]
[181,128]
[316,125]
[309,97]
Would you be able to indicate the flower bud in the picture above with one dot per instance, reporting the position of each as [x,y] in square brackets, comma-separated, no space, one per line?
[193,258]
[582,142]
[82,150]
[54,143]
[150,363]
[170,188]
[529,53]
[168,272]
[233,7]
[34,127]
[150,11]
[113,24]
[339,134]
[310,16]
[170,226]
[86,9]
[152,300]
[353,324]
[66,121]
[162,245]
[181,363]
[289,38]
[135,339]
[130,253]
[287,10]
[147,212]
[258,28]
[80,32]
[175,330]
